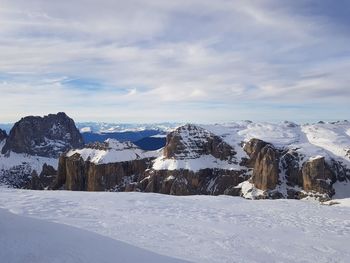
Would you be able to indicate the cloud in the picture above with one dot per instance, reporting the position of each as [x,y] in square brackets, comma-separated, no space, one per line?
[159,60]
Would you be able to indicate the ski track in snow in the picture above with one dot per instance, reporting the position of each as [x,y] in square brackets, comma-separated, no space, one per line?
[198,228]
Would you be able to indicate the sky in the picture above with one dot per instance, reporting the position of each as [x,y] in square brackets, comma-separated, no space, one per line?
[185,60]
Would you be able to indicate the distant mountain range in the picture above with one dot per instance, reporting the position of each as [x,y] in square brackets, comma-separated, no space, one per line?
[252,160]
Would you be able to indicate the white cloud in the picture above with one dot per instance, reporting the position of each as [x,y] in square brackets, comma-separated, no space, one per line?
[161,60]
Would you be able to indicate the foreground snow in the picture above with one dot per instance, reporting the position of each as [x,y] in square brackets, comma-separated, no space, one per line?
[29,240]
[195,228]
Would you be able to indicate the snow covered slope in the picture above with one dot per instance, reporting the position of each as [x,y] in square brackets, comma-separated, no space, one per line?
[203,229]
[326,139]
[32,240]
[15,167]
[112,151]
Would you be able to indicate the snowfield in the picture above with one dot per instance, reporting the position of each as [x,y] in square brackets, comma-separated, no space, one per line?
[116,152]
[194,228]
[31,240]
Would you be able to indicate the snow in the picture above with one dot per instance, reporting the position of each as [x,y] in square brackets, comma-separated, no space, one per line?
[116,152]
[35,162]
[32,240]
[249,191]
[192,138]
[331,140]
[158,136]
[342,193]
[103,127]
[205,229]
[195,164]
[85,129]
[333,137]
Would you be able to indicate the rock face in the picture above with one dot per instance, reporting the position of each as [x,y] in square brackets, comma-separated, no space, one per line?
[44,180]
[276,170]
[93,174]
[47,136]
[3,135]
[92,168]
[186,182]
[317,176]
[190,142]
[264,159]
[181,170]
[196,161]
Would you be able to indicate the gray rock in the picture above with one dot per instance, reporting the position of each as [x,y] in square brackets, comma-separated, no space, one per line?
[47,136]
[3,135]
[190,141]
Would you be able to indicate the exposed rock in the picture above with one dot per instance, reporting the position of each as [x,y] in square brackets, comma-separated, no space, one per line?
[184,182]
[264,158]
[316,176]
[277,169]
[233,191]
[190,141]
[253,147]
[77,174]
[43,181]
[35,182]
[47,136]
[290,163]
[3,135]
[179,186]
[185,145]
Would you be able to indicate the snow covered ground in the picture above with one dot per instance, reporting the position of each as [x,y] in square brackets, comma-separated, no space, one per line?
[32,240]
[195,228]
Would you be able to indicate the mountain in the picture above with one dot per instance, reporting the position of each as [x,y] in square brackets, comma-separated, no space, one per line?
[47,136]
[103,127]
[102,166]
[254,160]
[133,136]
[29,154]
[3,135]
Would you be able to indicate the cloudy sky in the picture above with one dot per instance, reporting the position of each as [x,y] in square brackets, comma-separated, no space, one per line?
[183,60]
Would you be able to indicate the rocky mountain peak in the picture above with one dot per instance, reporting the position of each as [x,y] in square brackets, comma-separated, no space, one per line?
[47,136]
[191,141]
[3,135]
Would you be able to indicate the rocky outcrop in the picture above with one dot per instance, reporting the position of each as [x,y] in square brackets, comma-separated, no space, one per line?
[317,177]
[78,174]
[186,182]
[190,141]
[287,173]
[187,145]
[264,159]
[47,136]
[3,135]
[195,161]
[45,180]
